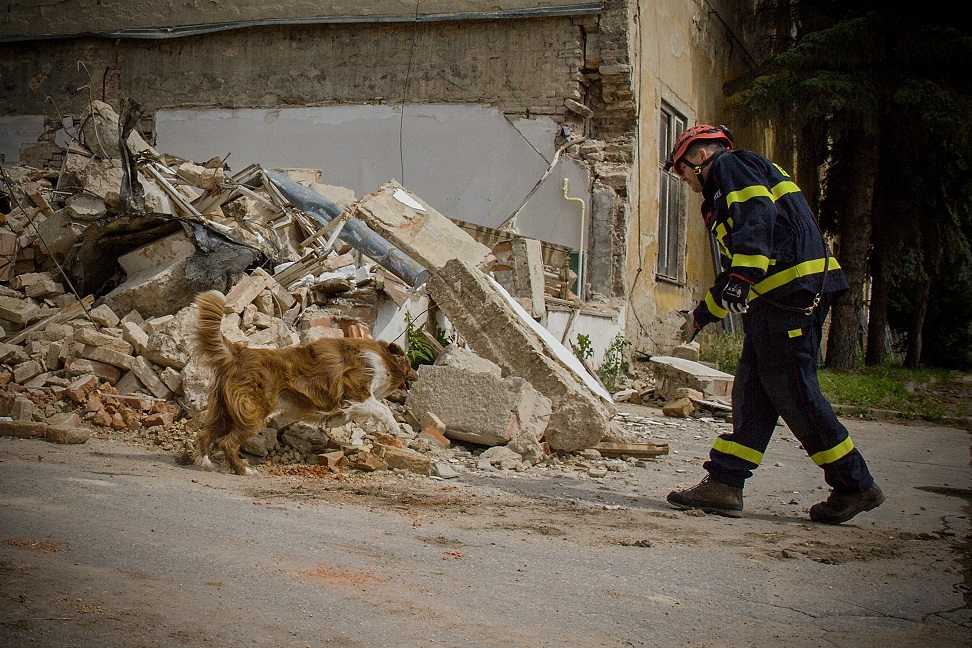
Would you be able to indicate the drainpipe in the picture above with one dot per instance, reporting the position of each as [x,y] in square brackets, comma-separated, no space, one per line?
[581,256]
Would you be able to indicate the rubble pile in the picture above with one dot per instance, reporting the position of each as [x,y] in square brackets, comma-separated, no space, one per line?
[102,255]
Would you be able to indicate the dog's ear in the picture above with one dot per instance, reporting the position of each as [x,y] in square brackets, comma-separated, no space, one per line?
[394,349]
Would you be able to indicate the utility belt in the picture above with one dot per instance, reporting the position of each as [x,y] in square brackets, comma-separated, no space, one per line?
[808,310]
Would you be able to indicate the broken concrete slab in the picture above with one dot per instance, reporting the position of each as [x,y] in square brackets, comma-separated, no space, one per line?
[459,357]
[491,327]
[417,229]
[100,129]
[671,373]
[44,430]
[478,407]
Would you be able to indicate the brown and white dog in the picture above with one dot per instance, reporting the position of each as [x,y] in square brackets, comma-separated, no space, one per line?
[331,376]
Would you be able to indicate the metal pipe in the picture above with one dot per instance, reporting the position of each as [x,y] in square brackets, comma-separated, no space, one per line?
[581,256]
[355,233]
[160,33]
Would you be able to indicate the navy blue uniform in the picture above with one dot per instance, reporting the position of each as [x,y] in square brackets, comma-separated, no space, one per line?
[769,238]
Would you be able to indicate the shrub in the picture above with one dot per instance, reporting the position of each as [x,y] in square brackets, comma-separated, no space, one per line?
[722,350]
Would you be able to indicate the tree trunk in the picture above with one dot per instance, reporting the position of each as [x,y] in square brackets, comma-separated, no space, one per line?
[858,153]
[913,356]
[877,320]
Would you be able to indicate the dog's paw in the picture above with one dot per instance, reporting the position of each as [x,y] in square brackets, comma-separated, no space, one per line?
[252,471]
[337,420]
[206,464]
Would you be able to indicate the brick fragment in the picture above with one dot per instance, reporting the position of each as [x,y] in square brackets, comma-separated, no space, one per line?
[331,460]
[83,367]
[79,390]
[158,418]
[367,462]
[433,435]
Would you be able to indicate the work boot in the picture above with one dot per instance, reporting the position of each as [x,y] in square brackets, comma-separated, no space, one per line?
[840,507]
[710,496]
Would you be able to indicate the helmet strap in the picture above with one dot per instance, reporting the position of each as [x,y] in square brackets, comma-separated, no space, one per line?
[698,168]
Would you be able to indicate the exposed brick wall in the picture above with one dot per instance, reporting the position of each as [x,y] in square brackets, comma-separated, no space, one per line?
[522,66]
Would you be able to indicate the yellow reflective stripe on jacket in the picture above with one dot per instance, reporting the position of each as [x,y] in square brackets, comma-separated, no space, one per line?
[750,261]
[714,307]
[720,232]
[795,333]
[814,266]
[744,194]
[757,191]
[737,450]
[828,456]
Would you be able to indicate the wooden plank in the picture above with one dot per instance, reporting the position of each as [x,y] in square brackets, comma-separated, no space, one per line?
[638,450]
[65,313]
[712,405]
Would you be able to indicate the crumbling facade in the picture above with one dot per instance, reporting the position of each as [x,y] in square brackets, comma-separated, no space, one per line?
[585,85]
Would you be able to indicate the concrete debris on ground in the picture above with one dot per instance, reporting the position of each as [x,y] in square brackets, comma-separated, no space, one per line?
[104,248]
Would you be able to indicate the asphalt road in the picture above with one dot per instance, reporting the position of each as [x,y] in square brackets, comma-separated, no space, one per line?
[108,544]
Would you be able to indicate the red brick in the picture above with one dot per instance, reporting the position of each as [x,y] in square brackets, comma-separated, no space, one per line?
[158,418]
[389,440]
[78,390]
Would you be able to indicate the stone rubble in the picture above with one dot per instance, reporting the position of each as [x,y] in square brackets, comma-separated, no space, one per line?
[121,366]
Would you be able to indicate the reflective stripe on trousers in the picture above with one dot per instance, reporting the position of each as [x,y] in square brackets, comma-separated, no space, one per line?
[777,376]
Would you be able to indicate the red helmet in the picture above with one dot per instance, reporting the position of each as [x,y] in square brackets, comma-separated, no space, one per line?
[694,134]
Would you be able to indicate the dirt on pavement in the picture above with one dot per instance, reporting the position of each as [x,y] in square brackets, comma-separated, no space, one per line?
[116,543]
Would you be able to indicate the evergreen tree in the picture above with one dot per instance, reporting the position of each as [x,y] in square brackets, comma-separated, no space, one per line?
[877,97]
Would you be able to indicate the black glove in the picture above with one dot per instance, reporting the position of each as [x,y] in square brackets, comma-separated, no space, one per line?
[690,328]
[735,296]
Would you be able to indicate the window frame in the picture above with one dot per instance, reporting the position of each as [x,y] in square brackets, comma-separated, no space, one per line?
[669,264]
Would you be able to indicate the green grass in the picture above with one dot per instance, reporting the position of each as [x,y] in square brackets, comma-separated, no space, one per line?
[721,349]
[889,388]
[908,391]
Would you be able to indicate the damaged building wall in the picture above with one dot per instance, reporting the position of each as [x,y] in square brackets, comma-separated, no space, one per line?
[470,161]
[601,69]
[688,50]
[544,62]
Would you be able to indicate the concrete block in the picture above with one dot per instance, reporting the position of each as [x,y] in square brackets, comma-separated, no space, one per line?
[22,281]
[102,340]
[493,330]
[463,358]
[27,370]
[418,230]
[149,377]
[18,311]
[678,408]
[135,335]
[43,289]
[104,316]
[671,373]
[245,291]
[475,406]
[84,366]
[405,459]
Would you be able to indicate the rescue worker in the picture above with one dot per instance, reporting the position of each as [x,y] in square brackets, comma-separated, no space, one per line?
[778,274]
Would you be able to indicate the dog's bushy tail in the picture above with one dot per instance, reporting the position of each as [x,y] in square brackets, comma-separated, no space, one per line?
[212,347]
